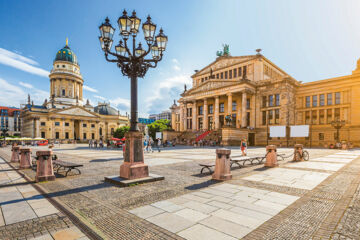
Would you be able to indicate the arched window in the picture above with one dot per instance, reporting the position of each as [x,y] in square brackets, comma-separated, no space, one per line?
[100,131]
[112,131]
[63,92]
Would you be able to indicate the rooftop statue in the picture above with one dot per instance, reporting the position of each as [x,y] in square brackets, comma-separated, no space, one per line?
[225,52]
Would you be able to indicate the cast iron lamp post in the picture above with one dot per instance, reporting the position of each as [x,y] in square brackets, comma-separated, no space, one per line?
[337,125]
[132,62]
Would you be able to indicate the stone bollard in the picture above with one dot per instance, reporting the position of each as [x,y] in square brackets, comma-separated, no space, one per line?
[44,166]
[25,158]
[271,156]
[298,151]
[15,154]
[222,165]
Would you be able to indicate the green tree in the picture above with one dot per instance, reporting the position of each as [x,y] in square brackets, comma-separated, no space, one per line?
[158,126]
[120,132]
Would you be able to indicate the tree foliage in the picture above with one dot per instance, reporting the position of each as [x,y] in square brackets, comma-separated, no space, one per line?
[158,126]
[120,132]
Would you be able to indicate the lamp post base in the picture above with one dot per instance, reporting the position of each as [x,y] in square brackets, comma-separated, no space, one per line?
[133,166]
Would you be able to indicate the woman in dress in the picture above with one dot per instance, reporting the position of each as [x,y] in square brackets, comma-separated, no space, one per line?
[243,146]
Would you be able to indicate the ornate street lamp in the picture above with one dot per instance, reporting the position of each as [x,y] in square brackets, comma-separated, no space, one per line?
[338,124]
[132,62]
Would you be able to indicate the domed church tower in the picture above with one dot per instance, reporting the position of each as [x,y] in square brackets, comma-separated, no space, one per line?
[66,83]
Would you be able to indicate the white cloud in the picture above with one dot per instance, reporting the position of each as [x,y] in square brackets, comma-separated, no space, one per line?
[20,62]
[121,103]
[13,95]
[176,68]
[27,85]
[168,90]
[90,89]
[174,60]
[99,97]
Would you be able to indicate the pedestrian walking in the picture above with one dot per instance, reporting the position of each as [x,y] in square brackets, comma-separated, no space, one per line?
[150,143]
[95,143]
[145,146]
[90,143]
[158,144]
[243,146]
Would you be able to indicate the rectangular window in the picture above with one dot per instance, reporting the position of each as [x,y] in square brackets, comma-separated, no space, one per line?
[329,115]
[271,100]
[244,70]
[235,73]
[93,136]
[42,123]
[200,123]
[66,135]
[264,98]
[189,112]
[210,121]
[314,98]
[211,109]
[43,135]
[270,116]
[57,135]
[67,124]
[217,76]
[221,107]
[322,116]
[206,78]
[322,99]
[337,98]
[222,75]
[84,125]
[226,75]
[84,135]
[57,123]
[200,110]
[277,99]
[307,101]
[230,74]
[277,116]
[314,117]
[307,117]
[202,79]
[321,136]
[337,114]
[329,99]
[92,125]
[264,118]
[239,71]
[248,103]
[233,106]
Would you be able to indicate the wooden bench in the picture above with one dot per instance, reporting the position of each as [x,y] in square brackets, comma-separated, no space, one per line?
[66,165]
[206,166]
[238,160]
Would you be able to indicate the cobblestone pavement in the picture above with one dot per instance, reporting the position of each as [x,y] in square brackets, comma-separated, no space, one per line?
[306,204]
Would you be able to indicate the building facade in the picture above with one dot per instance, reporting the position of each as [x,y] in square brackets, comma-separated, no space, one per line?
[65,116]
[10,120]
[258,94]
[163,115]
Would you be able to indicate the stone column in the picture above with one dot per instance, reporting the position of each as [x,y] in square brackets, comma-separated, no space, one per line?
[63,128]
[181,117]
[216,116]
[205,112]
[194,116]
[37,126]
[238,113]
[185,116]
[53,128]
[229,108]
[243,111]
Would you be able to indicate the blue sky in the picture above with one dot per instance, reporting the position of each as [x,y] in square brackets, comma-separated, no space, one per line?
[310,40]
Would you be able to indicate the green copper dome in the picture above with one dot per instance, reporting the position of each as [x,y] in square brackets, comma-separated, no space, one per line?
[65,54]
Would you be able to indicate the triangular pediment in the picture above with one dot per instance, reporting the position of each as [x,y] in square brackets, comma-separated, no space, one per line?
[222,62]
[77,111]
[210,85]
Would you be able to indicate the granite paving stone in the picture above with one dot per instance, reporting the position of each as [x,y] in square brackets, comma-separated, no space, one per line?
[200,232]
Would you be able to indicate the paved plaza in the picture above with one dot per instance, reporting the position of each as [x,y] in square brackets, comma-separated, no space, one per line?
[317,199]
